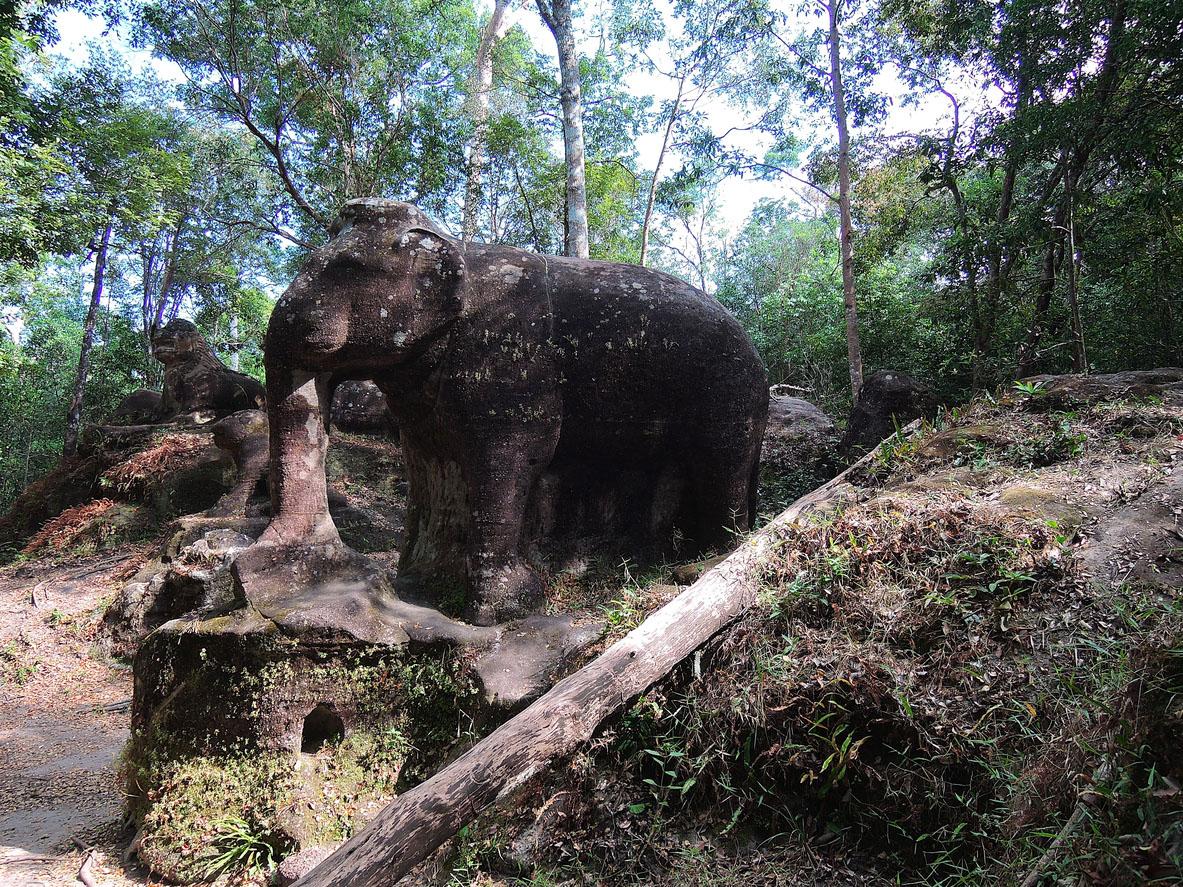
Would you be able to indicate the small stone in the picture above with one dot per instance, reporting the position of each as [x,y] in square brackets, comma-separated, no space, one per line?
[299,864]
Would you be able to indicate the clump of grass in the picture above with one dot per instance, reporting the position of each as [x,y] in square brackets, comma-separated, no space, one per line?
[634,599]
[239,847]
[17,665]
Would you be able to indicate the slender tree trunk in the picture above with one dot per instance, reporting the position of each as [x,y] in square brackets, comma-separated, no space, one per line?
[235,345]
[1080,359]
[846,229]
[999,260]
[557,16]
[482,86]
[166,283]
[1052,258]
[665,142]
[74,414]
[529,210]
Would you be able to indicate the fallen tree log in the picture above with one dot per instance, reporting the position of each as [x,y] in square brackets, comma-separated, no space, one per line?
[414,825]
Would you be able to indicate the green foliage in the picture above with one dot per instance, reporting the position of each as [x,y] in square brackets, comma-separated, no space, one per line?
[17,663]
[314,82]
[237,847]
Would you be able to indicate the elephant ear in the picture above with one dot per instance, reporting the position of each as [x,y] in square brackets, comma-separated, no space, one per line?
[438,259]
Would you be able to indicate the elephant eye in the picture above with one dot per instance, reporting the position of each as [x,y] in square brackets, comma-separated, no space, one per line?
[345,266]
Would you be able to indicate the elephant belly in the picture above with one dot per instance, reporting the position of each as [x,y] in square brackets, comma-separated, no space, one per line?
[663,403]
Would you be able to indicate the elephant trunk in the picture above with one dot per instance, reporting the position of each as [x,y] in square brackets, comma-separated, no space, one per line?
[298,406]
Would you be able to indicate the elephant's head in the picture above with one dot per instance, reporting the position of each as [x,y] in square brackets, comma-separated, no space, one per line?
[377,295]
[387,283]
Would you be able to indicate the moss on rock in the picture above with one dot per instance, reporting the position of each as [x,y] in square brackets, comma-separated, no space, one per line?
[247,746]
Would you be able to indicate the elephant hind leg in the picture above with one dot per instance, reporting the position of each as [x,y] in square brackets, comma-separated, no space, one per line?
[721,487]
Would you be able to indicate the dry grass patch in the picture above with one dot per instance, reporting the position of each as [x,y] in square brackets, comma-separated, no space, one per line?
[146,468]
[61,532]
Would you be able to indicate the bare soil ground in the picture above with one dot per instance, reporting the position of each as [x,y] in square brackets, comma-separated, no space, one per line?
[63,722]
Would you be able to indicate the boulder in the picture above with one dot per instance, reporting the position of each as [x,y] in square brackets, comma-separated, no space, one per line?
[1075,390]
[800,451]
[358,405]
[888,400]
[138,408]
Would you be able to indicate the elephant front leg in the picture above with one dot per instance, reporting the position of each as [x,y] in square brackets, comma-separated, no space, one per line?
[297,408]
[500,481]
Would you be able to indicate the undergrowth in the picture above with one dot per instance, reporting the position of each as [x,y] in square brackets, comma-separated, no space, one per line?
[907,674]
[60,532]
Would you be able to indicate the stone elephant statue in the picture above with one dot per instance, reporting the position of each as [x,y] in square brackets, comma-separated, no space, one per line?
[543,403]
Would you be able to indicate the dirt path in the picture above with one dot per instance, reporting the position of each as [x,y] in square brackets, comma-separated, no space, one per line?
[63,721]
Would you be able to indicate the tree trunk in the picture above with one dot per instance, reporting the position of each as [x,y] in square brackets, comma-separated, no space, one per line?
[1080,360]
[1052,258]
[235,345]
[74,414]
[557,16]
[482,85]
[846,229]
[665,141]
[418,821]
[166,283]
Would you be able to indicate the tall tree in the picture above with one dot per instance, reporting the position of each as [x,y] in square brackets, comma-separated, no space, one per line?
[845,228]
[716,51]
[478,101]
[343,100]
[77,394]
[839,83]
[124,162]
[558,18]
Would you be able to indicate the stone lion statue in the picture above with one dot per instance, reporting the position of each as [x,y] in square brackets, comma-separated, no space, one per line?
[195,381]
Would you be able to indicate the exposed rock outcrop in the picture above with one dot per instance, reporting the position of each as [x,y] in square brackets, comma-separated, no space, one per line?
[1069,390]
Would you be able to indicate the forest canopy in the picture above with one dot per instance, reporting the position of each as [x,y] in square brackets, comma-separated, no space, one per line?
[992,184]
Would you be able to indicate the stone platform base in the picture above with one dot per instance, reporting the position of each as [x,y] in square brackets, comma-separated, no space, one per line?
[285,711]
